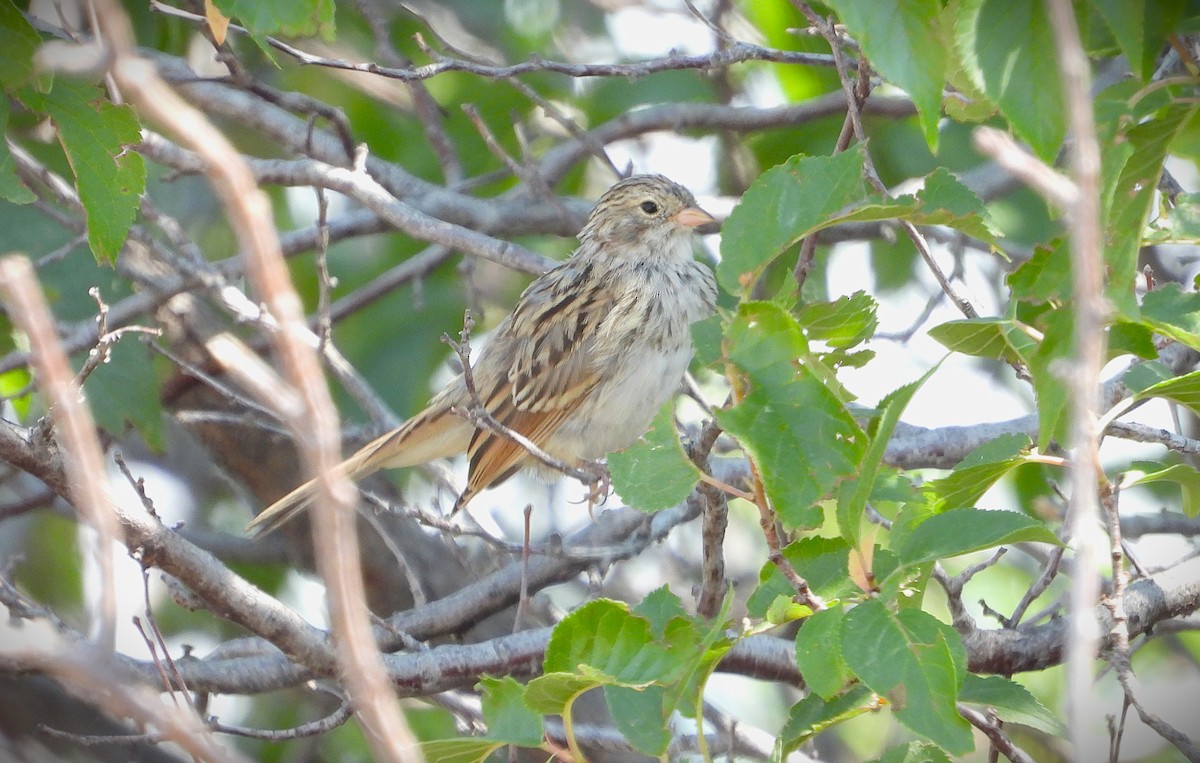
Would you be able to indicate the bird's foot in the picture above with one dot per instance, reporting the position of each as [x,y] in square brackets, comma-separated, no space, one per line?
[598,484]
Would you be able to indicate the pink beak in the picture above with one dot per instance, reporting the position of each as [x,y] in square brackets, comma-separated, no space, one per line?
[692,217]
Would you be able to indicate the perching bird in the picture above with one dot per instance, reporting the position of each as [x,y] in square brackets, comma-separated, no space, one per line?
[592,351]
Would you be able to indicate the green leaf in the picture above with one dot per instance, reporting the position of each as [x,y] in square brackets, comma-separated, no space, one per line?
[1184,390]
[506,715]
[812,715]
[1179,225]
[1140,28]
[660,607]
[124,392]
[913,752]
[800,435]
[818,655]
[850,509]
[896,38]
[19,41]
[1044,277]
[459,750]
[785,610]
[290,18]
[605,635]
[654,473]
[1188,479]
[553,693]
[996,338]
[1046,366]
[946,201]
[1130,338]
[942,200]
[1133,199]
[96,135]
[975,474]
[1145,375]
[961,531]
[1008,49]
[1012,702]
[1174,314]
[642,716]
[824,564]
[780,208]
[11,188]
[845,322]
[708,336]
[908,658]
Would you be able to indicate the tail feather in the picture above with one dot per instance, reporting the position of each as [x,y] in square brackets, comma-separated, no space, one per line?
[427,436]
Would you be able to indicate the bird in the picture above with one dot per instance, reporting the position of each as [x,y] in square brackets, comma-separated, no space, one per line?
[593,348]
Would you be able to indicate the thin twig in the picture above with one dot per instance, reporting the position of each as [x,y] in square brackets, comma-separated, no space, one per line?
[1084,231]
[75,430]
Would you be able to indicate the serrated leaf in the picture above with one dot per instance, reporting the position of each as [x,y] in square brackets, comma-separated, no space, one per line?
[1188,479]
[506,715]
[896,38]
[908,658]
[19,41]
[1008,49]
[946,201]
[942,200]
[845,322]
[961,531]
[812,715]
[1044,277]
[818,653]
[1012,702]
[800,435]
[605,635]
[96,135]
[473,750]
[780,208]
[654,473]
[996,338]
[660,607]
[1174,313]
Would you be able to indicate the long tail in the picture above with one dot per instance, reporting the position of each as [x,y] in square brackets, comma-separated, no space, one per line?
[433,433]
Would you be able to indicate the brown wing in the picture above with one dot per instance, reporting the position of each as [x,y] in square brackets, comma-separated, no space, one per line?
[550,337]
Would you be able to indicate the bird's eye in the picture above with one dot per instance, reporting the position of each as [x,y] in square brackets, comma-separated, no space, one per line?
[649,207]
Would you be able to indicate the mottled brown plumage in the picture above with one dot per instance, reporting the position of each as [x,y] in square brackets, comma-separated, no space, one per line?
[592,350]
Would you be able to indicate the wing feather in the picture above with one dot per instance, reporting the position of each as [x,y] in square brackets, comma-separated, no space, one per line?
[551,338]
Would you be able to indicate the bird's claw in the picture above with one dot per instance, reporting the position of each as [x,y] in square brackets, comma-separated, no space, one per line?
[598,484]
